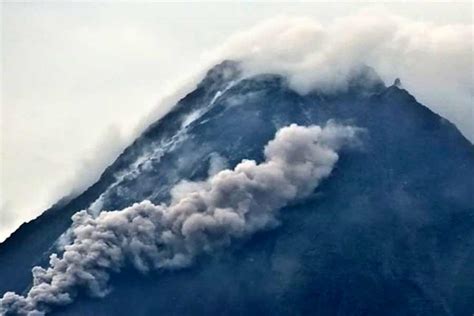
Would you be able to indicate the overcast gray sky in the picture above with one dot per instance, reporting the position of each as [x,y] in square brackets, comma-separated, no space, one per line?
[78,75]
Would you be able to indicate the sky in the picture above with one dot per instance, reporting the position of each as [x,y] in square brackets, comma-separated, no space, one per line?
[77,77]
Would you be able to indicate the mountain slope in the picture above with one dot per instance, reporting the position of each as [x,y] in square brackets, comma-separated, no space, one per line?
[390,232]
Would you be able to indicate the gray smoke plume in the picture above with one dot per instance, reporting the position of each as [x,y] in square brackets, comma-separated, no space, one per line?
[202,217]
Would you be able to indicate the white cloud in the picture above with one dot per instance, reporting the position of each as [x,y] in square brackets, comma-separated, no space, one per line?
[434,62]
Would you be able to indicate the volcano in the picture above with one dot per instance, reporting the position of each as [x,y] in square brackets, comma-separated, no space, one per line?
[388,231]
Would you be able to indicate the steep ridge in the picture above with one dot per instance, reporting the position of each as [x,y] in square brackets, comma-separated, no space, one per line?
[388,233]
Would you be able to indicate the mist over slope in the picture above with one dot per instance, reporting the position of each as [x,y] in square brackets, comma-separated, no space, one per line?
[387,232]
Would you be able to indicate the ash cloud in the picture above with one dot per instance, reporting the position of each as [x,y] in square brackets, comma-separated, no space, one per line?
[202,217]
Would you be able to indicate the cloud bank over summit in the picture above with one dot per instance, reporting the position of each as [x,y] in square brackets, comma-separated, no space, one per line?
[434,62]
[202,217]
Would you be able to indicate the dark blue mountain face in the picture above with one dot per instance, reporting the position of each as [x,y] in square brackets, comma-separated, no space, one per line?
[388,233]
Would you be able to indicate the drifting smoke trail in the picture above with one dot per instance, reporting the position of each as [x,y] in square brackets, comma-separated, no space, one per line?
[201,217]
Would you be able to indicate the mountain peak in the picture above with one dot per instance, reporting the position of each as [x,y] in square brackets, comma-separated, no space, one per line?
[397,83]
[366,79]
[223,72]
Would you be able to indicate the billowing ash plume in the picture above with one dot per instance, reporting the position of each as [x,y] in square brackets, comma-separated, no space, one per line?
[202,217]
